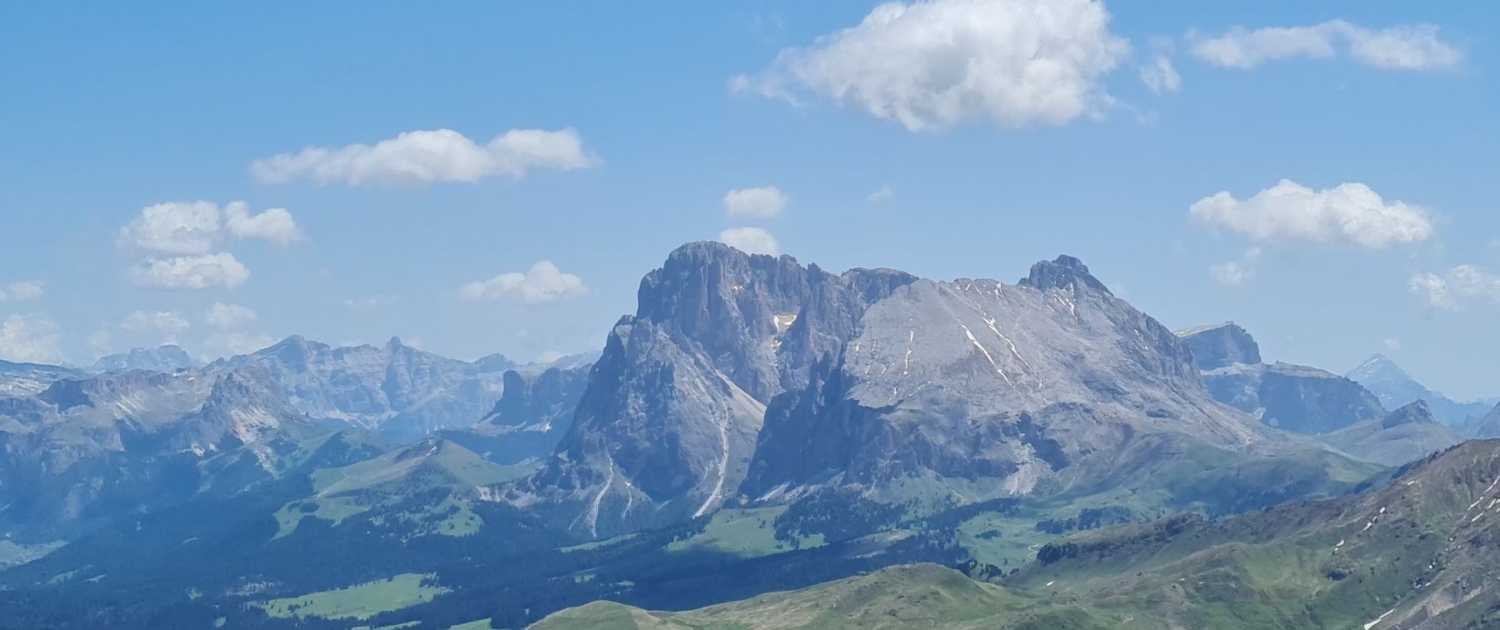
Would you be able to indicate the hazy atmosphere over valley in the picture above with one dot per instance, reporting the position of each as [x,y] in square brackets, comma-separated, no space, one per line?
[1064,314]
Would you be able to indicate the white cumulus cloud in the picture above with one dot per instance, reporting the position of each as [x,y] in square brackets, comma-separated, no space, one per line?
[1405,47]
[30,339]
[21,291]
[751,240]
[179,245]
[761,202]
[416,158]
[275,225]
[1456,288]
[190,272]
[932,64]
[1349,213]
[177,227]
[543,283]
[229,316]
[200,227]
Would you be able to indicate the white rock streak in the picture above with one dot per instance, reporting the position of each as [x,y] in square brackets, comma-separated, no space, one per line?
[906,363]
[991,359]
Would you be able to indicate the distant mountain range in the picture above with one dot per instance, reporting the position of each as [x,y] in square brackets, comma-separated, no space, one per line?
[756,425]
[151,428]
[1338,411]
[1396,388]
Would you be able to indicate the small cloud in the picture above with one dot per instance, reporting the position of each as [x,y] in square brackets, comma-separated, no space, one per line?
[884,193]
[1405,47]
[1228,273]
[200,227]
[762,202]
[1349,213]
[419,158]
[30,339]
[1456,288]
[275,225]
[1392,345]
[1236,272]
[751,240]
[21,291]
[1160,76]
[189,227]
[180,243]
[367,303]
[190,272]
[542,284]
[229,316]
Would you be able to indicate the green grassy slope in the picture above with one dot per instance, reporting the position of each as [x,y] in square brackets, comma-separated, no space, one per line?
[1421,549]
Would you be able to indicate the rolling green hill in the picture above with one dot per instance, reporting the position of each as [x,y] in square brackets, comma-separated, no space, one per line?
[1416,552]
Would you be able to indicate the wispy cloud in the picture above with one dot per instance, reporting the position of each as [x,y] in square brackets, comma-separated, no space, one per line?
[418,158]
[1406,47]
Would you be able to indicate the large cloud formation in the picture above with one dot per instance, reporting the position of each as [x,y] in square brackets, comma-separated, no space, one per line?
[933,64]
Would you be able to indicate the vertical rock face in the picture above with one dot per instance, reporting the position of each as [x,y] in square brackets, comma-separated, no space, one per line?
[1221,345]
[674,406]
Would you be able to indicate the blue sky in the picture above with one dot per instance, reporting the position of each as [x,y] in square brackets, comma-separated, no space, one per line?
[985,160]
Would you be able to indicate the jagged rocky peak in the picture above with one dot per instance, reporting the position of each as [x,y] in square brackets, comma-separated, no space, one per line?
[1414,413]
[1064,271]
[1221,345]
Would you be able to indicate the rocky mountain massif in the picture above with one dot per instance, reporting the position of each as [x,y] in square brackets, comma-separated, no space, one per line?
[754,380]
